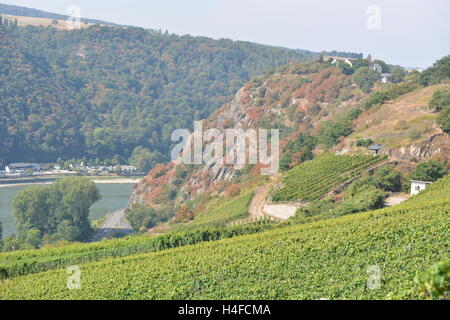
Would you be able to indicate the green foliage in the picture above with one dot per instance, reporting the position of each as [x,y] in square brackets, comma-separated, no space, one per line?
[220,212]
[397,75]
[435,283]
[385,67]
[55,212]
[439,72]
[100,92]
[292,261]
[443,120]
[364,143]
[301,147]
[360,196]
[311,180]
[143,159]
[429,171]
[365,78]
[440,100]
[147,217]
[388,179]
[19,263]
[331,131]
[390,92]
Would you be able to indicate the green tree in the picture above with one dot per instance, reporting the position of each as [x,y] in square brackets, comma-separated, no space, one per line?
[443,119]
[384,66]
[397,75]
[440,100]
[365,78]
[56,212]
[439,72]
[143,159]
[388,179]
[429,171]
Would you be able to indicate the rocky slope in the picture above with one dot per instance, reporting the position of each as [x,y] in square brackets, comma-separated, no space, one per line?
[297,99]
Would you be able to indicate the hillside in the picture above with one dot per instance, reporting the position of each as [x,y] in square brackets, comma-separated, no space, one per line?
[39,16]
[316,107]
[99,93]
[328,259]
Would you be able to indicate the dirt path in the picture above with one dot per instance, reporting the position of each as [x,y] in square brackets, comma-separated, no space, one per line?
[256,207]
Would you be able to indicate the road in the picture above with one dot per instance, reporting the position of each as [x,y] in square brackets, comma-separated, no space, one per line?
[115,222]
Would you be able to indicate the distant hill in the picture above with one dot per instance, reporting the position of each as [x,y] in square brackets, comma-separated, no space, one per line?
[35,13]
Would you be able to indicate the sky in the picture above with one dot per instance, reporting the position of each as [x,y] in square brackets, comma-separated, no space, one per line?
[411,33]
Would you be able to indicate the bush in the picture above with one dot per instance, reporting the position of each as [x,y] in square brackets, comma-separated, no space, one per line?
[147,217]
[439,72]
[435,283]
[388,179]
[443,120]
[364,143]
[365,78]
[429,171]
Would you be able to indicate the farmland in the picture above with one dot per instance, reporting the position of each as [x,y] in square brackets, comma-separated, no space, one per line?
[326,259]
[312,179]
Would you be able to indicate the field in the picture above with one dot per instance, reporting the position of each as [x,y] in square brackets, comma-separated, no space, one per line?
[219,213]
[59,24]
[330,259]
[312,179]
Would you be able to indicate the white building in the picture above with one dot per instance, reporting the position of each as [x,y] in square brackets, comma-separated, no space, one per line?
[418,186]
[22,167]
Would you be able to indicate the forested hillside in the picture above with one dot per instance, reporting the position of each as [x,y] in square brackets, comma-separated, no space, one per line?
[101,92]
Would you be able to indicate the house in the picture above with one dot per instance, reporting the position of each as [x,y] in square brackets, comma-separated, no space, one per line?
[22,167]
[417,186]
[376,148]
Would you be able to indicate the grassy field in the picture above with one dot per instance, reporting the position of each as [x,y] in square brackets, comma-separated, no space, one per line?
[219,213]
[326,259]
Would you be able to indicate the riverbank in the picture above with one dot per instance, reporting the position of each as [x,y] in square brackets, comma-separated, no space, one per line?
[39,181]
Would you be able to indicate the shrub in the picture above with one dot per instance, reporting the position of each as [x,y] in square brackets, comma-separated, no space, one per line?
[388,179]
[429,171]
[435,283]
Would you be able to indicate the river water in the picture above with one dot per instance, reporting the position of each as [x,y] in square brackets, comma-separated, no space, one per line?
[115,196]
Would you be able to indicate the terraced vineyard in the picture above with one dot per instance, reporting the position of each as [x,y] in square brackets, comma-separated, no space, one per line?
[312,179]
[326,259]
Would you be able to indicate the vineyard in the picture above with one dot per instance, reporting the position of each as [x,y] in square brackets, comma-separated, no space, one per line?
[312,179]
[326,259]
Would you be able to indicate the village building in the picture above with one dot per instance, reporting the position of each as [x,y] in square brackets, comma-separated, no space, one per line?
[418,186]
[22,167]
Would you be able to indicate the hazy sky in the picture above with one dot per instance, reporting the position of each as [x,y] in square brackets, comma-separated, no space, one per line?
[411,33]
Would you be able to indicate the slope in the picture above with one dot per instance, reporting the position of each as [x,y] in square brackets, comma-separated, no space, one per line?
[327,259]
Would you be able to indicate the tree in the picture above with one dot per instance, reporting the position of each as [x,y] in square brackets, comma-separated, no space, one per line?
[384,66]
[397,75]
[439,72]
[56,212]
[429,171]
[143,159]
[388,179]
[365,78]
[440,100]
[443,120]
